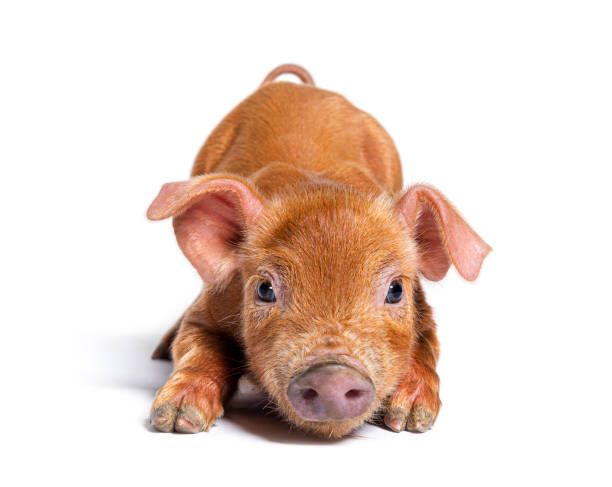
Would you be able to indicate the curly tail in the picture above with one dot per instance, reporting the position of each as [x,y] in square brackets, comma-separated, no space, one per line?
[299,71]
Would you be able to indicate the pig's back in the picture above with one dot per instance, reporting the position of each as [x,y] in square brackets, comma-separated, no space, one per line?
[308,130]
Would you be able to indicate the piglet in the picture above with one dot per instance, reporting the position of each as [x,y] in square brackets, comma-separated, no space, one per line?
[311,256]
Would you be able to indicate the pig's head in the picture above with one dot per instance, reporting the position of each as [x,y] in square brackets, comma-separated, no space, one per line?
[329,276]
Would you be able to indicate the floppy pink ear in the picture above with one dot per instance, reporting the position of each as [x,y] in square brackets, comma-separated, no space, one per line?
[443,237]
[211,215]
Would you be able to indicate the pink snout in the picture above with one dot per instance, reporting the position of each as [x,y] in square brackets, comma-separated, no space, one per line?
[328,392]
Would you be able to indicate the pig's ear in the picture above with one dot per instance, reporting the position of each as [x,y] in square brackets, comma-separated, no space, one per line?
[443,237]
[211,215]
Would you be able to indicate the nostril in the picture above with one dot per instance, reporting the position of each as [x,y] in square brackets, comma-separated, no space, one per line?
[309,394]
[330,392]
[353,394]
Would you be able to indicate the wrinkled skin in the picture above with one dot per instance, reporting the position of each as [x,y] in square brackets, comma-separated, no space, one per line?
[300,191]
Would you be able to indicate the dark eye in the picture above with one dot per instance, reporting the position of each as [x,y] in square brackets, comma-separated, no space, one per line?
[265,292]
[394,294]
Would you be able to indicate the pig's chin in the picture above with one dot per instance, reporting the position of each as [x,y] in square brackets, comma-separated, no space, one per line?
[330,430]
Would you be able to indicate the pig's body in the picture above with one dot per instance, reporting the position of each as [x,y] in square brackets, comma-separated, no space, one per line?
[294,191]
[298,126]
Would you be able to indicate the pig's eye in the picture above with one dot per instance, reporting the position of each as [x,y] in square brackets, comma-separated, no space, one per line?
[265,292]
[394,294]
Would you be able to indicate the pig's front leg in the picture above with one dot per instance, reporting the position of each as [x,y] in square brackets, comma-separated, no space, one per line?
[415,403]
[192,398]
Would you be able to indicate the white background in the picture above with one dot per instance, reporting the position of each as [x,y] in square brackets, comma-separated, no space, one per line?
[504,106]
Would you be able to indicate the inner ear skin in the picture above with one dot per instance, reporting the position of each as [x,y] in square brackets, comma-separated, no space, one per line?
[211,216]
[225,213]
[429,235]
[443,236]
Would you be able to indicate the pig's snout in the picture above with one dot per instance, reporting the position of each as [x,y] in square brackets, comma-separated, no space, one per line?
[327,392]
